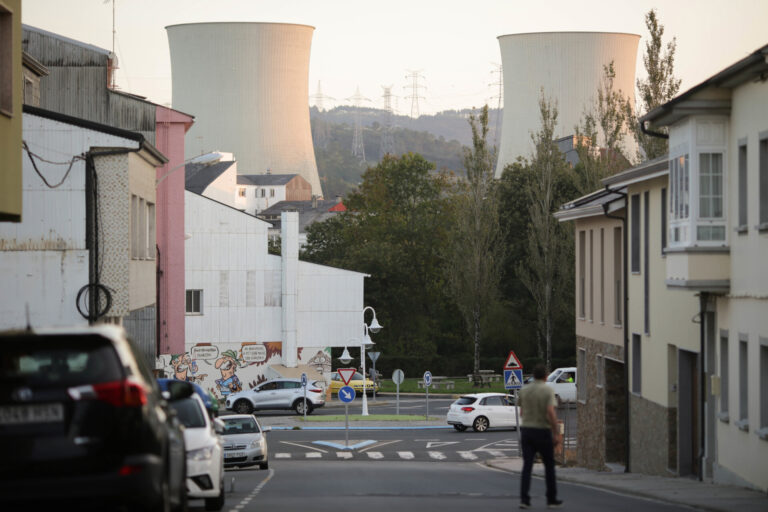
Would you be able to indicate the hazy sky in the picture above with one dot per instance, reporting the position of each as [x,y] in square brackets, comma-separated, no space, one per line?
[372,44]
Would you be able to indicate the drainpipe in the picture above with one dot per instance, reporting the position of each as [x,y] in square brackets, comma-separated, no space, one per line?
[626,315]
[652,133]
[703,300]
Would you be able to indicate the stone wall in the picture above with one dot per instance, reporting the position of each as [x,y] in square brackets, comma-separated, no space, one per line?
[653,437]
[603,400]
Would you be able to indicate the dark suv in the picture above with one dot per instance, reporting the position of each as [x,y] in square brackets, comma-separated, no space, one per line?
[83,423]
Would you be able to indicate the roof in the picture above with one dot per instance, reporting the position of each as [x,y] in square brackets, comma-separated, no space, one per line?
[649,169]
[752,67]
[200,176]
[592,204]
[307,214]
[263,180]
[66,39]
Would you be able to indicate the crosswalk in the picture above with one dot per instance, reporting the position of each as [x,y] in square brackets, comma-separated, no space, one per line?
[434,455]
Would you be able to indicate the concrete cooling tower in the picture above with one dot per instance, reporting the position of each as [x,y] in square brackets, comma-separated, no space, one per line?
[568,66]
[247,84]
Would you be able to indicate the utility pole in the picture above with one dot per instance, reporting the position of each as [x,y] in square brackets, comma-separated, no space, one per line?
[413,76]
[387,141]
[358,148]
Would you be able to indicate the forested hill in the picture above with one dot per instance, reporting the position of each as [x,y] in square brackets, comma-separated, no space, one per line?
[438,138]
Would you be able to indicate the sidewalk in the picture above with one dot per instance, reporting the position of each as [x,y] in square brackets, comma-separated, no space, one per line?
[680,491]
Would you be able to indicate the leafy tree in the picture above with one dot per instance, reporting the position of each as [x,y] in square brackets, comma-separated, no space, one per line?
[658,87]
[475,255]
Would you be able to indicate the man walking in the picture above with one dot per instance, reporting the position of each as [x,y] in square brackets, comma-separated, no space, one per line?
[539,433]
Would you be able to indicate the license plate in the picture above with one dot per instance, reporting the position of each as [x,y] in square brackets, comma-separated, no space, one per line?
[233,455]
[33,413]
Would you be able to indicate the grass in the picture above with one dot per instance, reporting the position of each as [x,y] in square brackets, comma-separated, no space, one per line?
[370,417]
[461,386]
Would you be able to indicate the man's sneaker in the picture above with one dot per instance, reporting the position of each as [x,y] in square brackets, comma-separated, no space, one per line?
[555,504]
[525,504]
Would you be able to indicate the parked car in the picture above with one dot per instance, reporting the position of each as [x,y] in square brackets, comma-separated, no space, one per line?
[205,455]
[563,382]
[245,441]
[277,394]
[211,402]
[83,421]
[482,411]
[356,382]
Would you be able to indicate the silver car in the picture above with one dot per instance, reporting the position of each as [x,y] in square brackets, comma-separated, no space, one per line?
[278,394]
[245,441]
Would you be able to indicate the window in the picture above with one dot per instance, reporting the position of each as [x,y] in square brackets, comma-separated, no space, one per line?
[151,243]
[602,275]
[600,372]
[6,62]
[764,182]
[263,192]
[664,226]
[724,375]
[763,432]
[194,302]
[582,269]
[241,192]
[635,233]
[618,298]
[710,196]
[646,277]
[743,422]
[581,388]
[678,204]
[135,230]
[142,229]
[591,275]
[636,364]
[271,192]
[742,227]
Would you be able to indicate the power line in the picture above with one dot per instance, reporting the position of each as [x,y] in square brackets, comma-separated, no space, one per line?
[358,148]
[413,76]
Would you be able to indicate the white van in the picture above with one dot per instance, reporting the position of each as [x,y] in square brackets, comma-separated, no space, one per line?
[563,382]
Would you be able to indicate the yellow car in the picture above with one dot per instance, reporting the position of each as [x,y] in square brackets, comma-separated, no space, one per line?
[356,382]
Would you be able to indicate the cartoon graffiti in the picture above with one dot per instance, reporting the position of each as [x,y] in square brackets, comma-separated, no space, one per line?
[185,368]
[227,364]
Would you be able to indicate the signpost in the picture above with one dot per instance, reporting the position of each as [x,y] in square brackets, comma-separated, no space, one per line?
[373,356]
[427,383]
[397,377]
[513,380]
[304,385]
[346,395]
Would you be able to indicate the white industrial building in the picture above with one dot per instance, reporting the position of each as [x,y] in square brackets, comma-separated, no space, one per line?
[568,68]
[248,85]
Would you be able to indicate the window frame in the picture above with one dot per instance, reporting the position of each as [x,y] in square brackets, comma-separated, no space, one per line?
[743,182]
[190,293]
[6,61]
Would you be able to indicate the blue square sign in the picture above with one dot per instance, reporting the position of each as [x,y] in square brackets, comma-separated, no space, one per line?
[513,379]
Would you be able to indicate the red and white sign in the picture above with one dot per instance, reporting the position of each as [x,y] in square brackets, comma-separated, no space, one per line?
[346,374]
[513,363]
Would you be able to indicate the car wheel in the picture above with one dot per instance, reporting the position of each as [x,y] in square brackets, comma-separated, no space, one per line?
[298,406]
[216,503]
[460,428]
[164,504]
[264,465]
[243,407]
[480,424]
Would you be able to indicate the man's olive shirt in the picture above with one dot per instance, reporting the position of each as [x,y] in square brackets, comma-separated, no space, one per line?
[534,399]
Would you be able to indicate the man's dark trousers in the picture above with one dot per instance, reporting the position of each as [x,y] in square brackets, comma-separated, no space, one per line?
[537,440]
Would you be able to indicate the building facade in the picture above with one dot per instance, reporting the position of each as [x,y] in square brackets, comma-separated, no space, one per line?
[257,192]
[10,111]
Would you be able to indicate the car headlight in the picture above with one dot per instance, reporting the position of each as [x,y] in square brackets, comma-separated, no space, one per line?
[201,453]
[255,444]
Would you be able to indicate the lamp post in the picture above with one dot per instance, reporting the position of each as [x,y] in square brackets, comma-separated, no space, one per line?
[373,327]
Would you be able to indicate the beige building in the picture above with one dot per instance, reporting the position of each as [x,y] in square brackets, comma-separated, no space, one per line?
[718,247]
[10,110]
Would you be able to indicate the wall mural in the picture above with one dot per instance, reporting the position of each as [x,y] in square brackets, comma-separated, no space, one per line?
[224,368]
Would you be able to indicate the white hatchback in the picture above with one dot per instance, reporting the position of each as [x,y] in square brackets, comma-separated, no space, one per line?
[563,381]
[482,411]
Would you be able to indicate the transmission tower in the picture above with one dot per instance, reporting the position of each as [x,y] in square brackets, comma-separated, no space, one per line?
[319,98]
[320,130]
[387,140]
[500,97]
[358,148]
[413,76]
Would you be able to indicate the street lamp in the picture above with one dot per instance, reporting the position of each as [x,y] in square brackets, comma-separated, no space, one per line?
[374,327]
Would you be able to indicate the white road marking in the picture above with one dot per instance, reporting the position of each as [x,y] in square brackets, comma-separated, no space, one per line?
[375,455]
[343,455]
[406,455]
[468,455]
[282,455]
[303,446]
[437,455]
[253,493]
[379,445]
[313,455]
[438,444]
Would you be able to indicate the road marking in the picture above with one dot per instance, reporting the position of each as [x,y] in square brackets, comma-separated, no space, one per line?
[282,455]
[245,501]
[303,446]
[379,445]
[406,455]
[438,444]
[343,455]
[437,455]
[468,455]
[495,453]
[313,455]
[375,455]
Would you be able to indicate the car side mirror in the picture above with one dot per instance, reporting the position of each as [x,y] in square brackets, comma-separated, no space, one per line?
[266,429]
[218,426]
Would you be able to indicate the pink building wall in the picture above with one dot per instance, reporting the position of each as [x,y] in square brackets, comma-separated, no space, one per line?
[171,126]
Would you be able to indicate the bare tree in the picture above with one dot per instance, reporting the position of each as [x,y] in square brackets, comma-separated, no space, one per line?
[546,266]
[475,255]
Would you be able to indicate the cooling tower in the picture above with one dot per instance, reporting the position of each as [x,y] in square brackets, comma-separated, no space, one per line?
[568,66]
[247,84]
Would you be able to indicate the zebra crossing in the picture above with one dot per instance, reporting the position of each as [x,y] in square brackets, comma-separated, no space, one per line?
[403,455]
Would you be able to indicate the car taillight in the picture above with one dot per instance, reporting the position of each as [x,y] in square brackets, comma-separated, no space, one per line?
[467,409]
[120,393]
[315,390]
[130,469]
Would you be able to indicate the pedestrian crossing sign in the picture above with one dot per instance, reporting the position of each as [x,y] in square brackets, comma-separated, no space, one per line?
[513,379]
[513,363]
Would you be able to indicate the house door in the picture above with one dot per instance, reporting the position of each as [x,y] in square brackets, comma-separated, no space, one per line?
[687,413]
[615,412]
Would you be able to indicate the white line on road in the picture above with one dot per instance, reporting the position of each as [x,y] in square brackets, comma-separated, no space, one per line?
[343,455]
[313,455]
[282,455]
[375,455]
[406,455]
[379,445]
[437,455]
[468,455]
[303,446]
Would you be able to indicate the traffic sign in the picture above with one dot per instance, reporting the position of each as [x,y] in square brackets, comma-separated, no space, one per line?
[427,378]
[513,363]
[304,379]
[513,379]
[346,394]
[398,376]
[373,356]
[346,374]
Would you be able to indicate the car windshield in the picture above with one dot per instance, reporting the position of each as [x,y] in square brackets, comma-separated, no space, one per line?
[553,377]
[189,413]
[241,426]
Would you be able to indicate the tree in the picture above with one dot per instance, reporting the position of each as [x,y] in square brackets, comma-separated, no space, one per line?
[547,268]
[475,255]
[658,87]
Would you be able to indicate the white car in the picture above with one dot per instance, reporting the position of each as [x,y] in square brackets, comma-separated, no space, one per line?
[205,457]
[482,411]
[245,441]
[563,382]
